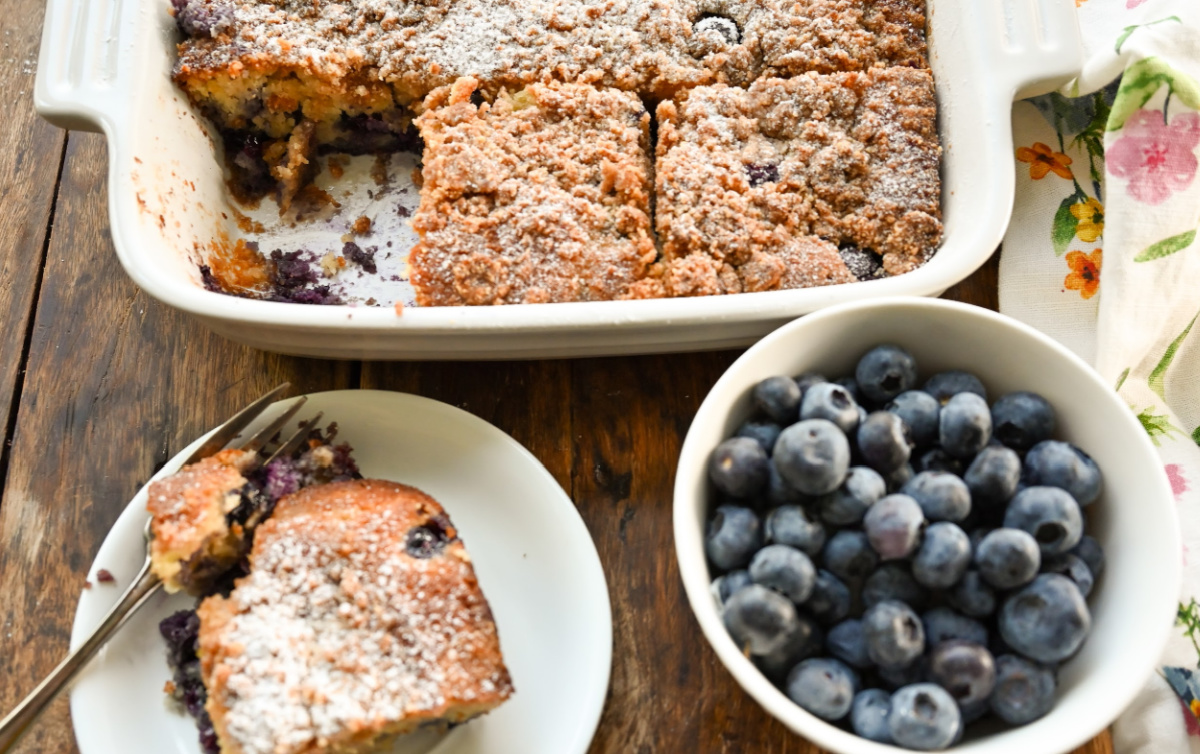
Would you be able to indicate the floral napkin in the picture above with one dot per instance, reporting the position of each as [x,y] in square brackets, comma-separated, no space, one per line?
[1102,254]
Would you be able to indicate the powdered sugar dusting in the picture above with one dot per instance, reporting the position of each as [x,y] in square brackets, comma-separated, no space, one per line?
[338,630]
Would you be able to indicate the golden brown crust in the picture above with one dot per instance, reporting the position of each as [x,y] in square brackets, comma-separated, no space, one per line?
[188,510]
[540,196]
[743,175]
[340,639]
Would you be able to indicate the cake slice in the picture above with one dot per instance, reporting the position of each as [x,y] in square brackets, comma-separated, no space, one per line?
[361,619]
[542,195]
[759,188]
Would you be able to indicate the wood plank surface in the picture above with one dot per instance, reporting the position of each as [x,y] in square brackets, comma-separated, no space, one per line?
[30,157]
[116,383]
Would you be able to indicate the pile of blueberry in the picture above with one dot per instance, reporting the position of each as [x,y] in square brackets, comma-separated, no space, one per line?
[900,560]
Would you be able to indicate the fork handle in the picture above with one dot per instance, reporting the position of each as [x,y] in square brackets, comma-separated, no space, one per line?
[18,721]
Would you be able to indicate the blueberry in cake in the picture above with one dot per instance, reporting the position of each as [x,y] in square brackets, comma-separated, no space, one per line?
[541,195]
[360,620]
[811,121]
[203,516]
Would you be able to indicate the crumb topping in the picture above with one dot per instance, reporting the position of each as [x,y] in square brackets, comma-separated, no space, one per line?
[539,196]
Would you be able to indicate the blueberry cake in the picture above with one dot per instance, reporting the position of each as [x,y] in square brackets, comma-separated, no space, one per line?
[360,619]
[542,195]
[537,124]
[757,187]
[203,516]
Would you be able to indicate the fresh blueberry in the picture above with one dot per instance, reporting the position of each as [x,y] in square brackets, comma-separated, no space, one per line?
[784,569]
[802,642]
[1024,691]
[1050,514]
[846,505]
[943,557]
[973,596]
[1074,568]
[923,717]
[965,425]
[848,642]
[869,715]
[941,495]
[851,386]
[893,581]
[779,399]
[1008,558]
[808,379]
[725,586]
[764,433]
[993,476]
[779,492]
[883,441]
[893,526]
[894,634]
[919,411]
[827,400]
[1046,621]
[1022,420]
[1092,553]
[759,619]
[1060,464]
[849,556]
[898,477]
[824,687]
[812,456]
[734,534]
[885,372]
[895,678]
[943,624]
[972,712]
[966,670]
[738,467]
[829,602]
[945,385]
[937,459]
[791,525]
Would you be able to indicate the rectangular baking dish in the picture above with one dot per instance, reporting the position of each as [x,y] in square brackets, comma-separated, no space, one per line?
[105,66]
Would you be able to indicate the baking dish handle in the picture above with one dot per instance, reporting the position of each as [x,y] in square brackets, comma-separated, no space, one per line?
[84,61]
[1036,45]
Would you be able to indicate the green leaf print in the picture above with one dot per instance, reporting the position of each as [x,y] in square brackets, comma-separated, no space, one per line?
[1131,29]
[1188,616]
[1141,81]
[1196,435]
[1121,379]
[1063,230]
[1157,425]
[1157,378]
[1166,247]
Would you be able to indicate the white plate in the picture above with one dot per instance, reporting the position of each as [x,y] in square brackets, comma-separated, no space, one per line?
[533,555]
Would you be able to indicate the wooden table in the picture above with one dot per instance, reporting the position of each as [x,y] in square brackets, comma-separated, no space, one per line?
[100,385]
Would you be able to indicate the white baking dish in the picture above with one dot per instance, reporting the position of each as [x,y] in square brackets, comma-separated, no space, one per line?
[105,65]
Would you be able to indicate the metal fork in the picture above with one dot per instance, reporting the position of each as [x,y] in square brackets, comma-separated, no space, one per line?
[146,584]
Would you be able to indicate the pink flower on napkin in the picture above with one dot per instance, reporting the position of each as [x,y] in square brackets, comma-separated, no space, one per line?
[1179,483]
[1133,3]
[1157,159]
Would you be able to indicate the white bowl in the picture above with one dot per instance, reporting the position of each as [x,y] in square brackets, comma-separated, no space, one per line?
[1133,605]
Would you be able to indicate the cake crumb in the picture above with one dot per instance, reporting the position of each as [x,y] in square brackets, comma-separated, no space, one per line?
[399,307]
[362,226]
[169,688]
[87,584]
[105,577]
[332,264]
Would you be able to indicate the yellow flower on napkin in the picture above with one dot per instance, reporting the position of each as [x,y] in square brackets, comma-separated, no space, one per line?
[1090,215]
